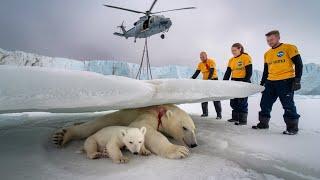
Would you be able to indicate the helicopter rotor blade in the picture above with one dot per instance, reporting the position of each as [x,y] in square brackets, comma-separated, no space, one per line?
[130,10]
[173,10]
[154,2]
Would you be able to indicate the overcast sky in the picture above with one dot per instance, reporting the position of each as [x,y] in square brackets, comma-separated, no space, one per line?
[82,29]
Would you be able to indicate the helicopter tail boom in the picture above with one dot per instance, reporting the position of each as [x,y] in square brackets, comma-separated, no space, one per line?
[118,34]
[123,29]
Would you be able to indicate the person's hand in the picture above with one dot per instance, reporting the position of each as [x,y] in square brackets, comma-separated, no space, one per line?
[296,85]
[262,84]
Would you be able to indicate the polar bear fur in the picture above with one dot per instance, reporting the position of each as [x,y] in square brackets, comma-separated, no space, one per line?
[108,142]
[175,123]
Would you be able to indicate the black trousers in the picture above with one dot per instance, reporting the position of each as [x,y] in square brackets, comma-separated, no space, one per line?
[279,89]
[217,106]
[239,105]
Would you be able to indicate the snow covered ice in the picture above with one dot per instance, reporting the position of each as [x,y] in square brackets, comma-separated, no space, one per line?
[56,90]
[225,151]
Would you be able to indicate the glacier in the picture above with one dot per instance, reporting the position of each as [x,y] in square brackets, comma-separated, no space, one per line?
[310,79]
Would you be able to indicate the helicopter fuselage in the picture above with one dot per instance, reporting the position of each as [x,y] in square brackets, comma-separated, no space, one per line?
[147,26]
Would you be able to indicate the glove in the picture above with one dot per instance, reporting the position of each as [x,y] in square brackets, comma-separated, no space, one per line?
[263,83]
[296,85]
[247,80]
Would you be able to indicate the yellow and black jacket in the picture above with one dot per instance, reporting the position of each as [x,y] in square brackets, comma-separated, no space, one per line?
[239,68]
[208,70]
[281,63]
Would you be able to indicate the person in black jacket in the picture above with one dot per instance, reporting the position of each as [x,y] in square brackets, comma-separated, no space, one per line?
[240,69]
[209,72]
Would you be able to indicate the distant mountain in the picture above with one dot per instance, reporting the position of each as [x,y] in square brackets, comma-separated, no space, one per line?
[106,67]
[310,79]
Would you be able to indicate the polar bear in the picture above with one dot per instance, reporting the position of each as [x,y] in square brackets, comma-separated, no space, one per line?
[109,141]
[158,120]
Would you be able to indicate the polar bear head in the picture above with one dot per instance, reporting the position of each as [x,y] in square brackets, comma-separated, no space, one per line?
[133,138]
[180,126]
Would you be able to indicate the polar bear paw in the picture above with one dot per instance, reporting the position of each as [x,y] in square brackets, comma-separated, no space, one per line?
[121,160]
[95,155]
[177,152]
[59,137]
[145,152]
[104,153]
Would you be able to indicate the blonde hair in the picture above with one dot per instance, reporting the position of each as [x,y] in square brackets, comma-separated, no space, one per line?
[203,52]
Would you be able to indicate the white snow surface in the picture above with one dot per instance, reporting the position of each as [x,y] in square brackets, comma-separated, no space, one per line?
[225,151]
[55,90]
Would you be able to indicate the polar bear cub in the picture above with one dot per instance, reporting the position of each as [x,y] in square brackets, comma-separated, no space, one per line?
[109,141]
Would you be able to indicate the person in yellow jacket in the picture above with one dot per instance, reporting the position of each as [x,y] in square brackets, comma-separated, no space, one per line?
[281,77]
[240,69]
[209,72]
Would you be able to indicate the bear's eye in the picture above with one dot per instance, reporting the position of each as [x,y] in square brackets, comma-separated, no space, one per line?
[184,128]
[140,142]
[131,142]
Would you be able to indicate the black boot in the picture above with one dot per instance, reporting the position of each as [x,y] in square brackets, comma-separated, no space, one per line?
[242,119]
[263,124]
[235,117]
[219,116]
[292,126]
[204,106]
[217,106]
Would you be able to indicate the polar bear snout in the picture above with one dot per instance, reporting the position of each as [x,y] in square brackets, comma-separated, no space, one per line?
[190,139]
[134,148]
[190,145]
[193,145]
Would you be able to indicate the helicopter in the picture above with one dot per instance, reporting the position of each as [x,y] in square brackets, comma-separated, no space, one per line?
[148,25]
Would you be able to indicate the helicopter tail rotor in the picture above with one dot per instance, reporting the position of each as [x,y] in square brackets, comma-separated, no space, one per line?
[123,28]
[122,25]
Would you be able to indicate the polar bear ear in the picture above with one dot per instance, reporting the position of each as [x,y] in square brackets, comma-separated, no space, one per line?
[143,130]
[123,132]
[169,113]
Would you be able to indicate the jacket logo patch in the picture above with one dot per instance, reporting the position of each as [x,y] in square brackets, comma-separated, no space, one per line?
[280,54]
[239,63]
